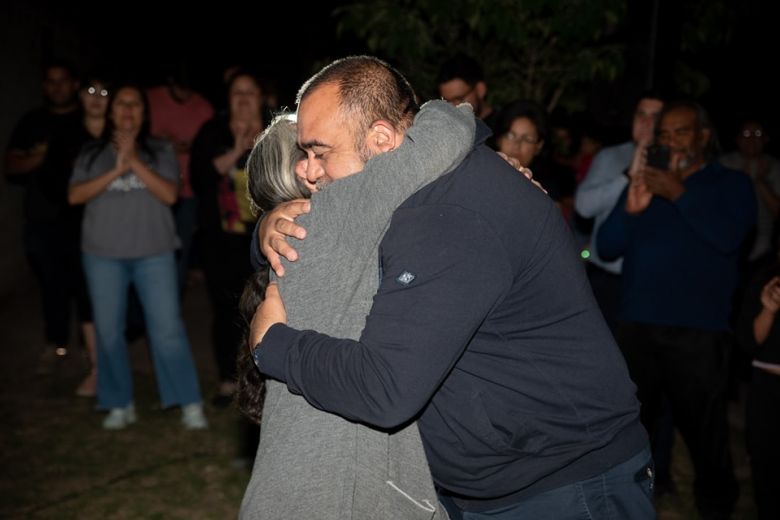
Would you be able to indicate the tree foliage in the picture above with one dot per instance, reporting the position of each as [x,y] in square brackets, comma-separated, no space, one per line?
[705,32]
[544,50]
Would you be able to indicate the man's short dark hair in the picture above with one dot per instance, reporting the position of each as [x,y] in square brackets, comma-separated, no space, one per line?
[369,90]
[60,63]
[461,67]
[523,109]
[654,94]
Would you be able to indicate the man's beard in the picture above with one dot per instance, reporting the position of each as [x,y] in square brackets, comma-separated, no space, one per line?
[686,161]
[364,152]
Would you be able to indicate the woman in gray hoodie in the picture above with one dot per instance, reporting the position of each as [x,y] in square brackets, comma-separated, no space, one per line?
[311,463]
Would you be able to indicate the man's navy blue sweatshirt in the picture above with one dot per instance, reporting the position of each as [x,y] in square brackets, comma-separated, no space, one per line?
[486,332]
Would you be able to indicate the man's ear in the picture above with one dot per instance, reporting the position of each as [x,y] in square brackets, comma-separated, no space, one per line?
[383,137]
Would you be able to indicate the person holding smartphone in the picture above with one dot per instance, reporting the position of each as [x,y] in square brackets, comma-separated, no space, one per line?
[680,230]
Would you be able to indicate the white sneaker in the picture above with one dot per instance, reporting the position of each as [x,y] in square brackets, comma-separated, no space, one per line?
[119,418]
[192,417]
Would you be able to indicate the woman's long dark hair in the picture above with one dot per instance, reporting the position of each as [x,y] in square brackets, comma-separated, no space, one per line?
[251,383]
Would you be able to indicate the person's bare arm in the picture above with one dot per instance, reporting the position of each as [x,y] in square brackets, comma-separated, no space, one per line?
[223,163]
[270,312]
[85,191]
[638,196]
[242,143]
[770,303]
[82,192]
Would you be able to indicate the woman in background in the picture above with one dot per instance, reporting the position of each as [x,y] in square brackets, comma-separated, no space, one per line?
[522,132]
[94,102]
[128,182]
[759,333]
[225,220]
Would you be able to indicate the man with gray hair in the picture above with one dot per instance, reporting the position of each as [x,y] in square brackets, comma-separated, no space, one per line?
[679,228]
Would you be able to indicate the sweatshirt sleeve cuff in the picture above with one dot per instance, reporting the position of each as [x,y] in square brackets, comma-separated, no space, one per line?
[271,354]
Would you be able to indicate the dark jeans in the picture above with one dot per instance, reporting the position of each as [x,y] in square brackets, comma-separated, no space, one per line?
[606,289]
[53,252]
[763,441]
[186,215]
[623,492]
[691,367]
[226,266]
[663,445]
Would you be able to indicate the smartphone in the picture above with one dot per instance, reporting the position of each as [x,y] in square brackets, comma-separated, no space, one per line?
[658,157]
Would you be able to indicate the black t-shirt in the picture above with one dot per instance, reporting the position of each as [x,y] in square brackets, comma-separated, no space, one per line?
[558,180]
[62,136]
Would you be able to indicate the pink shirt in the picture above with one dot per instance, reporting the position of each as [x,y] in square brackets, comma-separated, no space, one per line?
[178,122]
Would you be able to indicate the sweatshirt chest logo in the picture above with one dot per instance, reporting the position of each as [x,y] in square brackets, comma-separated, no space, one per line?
[126,182]
[405,278]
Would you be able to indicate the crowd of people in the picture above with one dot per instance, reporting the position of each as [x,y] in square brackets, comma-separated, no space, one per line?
[431,344]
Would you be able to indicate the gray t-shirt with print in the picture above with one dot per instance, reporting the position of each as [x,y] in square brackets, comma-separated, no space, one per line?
[126,220]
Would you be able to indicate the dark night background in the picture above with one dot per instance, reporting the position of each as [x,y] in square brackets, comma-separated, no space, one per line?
[285,41]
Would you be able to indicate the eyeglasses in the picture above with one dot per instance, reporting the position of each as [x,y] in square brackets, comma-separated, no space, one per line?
[520,139]
[92,91]
[747,134]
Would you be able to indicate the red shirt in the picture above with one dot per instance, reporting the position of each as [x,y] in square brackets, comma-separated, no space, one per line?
[178,122]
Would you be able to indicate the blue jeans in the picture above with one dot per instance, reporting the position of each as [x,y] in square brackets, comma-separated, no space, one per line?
[621,493]
[154,278]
